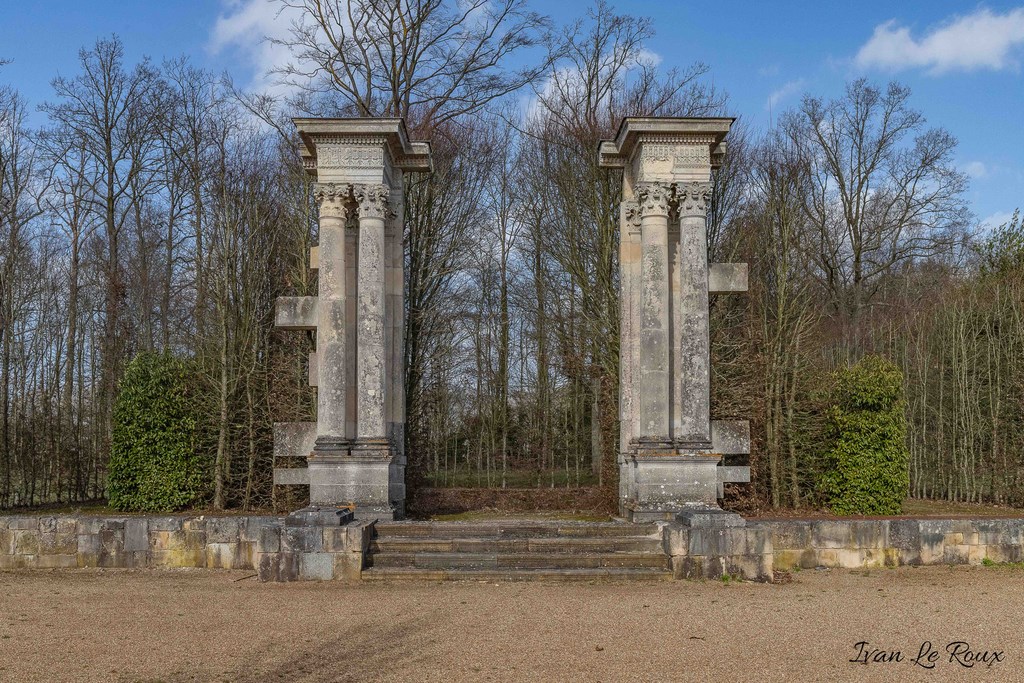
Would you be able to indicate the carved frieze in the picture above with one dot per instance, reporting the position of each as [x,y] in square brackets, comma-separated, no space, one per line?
[334,156]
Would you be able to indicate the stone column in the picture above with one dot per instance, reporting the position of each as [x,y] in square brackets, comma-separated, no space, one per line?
[332,438]
[371,421]
[693,348]
[655,317]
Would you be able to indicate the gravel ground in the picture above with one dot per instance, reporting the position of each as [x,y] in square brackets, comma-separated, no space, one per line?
[219,626]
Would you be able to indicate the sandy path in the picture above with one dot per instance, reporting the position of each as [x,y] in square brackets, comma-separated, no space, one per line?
[205,626]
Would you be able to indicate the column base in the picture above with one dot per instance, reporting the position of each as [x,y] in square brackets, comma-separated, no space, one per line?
[316,515]
[668,483]
[368,479]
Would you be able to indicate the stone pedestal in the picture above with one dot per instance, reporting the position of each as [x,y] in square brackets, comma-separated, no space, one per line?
[670,461]
[357,458]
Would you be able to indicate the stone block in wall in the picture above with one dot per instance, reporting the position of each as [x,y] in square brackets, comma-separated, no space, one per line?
[348,566]
[6,542]
[89,526]
[26,542]
[269,539]
[793,558]
[831,534]
[165,523]
[795,535]
[182,548]
[302,539]
[23,523]
[282,566]
[58,543]
[223,529]
[222,556]
[57,562]
[956,554]
[136,534]
[869,533]
[316,566]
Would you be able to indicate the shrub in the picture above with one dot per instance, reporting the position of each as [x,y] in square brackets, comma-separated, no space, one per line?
[866,465]
[154,462]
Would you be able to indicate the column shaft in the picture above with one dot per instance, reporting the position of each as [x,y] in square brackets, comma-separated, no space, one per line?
[371,346]
[330,335]
[693,345]
[655,316]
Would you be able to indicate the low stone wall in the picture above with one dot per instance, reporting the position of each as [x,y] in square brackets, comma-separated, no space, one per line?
[714,552]
[282,549]
[267,545]
[853,544]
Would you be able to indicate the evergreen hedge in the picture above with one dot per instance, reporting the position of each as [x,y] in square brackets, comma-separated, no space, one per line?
[155,464]
[866,465]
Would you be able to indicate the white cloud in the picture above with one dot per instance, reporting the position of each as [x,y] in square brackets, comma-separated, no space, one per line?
[982,40]
[995,220]
[245,26]
[976,169]
[645,56]
[785,91]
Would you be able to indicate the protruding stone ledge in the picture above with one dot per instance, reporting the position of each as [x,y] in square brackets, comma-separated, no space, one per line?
[730,437]
[296,312]
[294,439]
[291,476]
[725,278]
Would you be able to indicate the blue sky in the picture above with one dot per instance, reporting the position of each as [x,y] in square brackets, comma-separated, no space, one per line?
[963,61]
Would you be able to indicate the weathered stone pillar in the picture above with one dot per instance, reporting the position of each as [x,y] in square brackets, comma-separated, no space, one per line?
[370,338]
[671,459]
[331,438]
[692,338]
[655,317]
[354,452]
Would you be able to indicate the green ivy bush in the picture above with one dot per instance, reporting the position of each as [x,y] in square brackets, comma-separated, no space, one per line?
[155,464]
[866,466]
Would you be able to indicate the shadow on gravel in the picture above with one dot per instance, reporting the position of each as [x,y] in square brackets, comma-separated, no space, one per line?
[354,656]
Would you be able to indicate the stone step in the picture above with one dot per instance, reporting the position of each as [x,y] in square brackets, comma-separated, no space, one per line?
[602,574]
[513,530]
[558,544]
[464,561]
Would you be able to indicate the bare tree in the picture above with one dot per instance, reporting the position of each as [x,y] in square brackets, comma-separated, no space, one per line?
[883,189]
[429,61]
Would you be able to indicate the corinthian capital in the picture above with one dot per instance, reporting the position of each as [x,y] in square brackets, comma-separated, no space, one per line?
[654,198]
[372,200]
[694,198]
[332,198]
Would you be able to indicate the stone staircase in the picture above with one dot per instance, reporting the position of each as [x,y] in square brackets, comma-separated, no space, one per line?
[517,551]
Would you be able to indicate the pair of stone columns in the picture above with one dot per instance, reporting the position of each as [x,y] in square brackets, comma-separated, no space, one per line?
[668,349]
[671,459]
[354,451]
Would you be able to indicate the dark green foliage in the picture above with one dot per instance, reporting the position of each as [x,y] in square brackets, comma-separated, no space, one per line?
[866,464]
[154,461]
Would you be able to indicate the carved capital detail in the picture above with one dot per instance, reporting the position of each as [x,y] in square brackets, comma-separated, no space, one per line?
[332,198]
[694,198]
[372,201]
[654,198]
